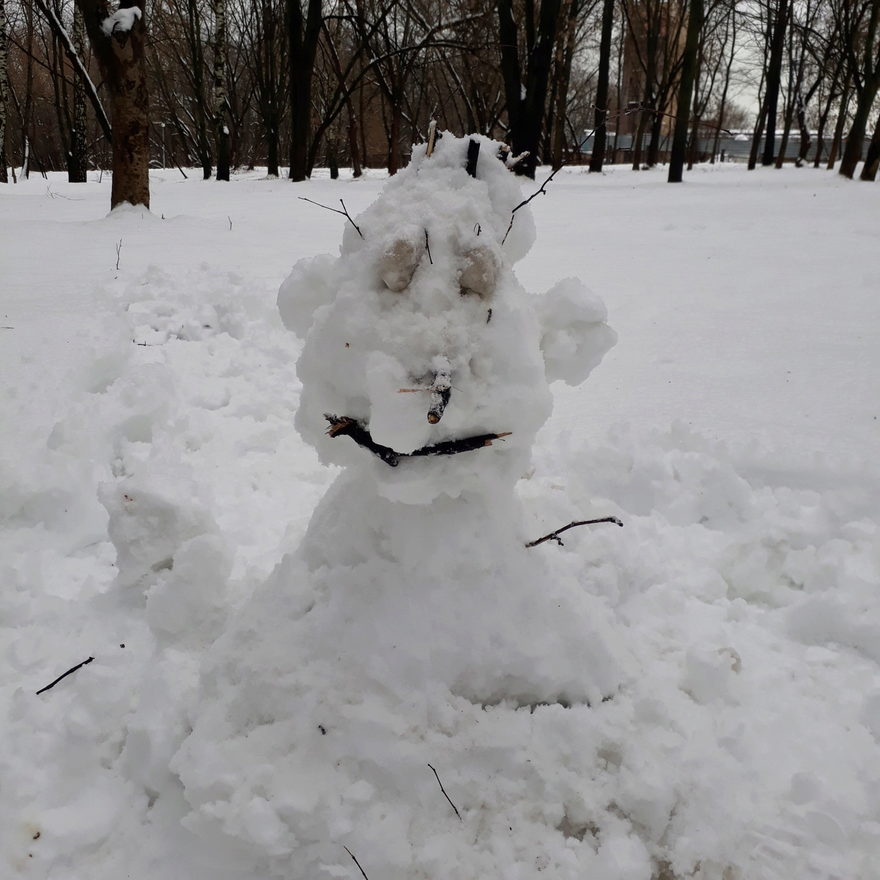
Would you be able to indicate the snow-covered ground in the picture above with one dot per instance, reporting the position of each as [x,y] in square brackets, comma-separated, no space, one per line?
[734,429]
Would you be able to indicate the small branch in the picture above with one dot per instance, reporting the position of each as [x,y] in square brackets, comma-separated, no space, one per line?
[230,222]
[432,137]
[363,872]
[437,775]
[347,427]
[62,677]
[428,248]
[344,211]
[118,251]
[554,536]
[542,190]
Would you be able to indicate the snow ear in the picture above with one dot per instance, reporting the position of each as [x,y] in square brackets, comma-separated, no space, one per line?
[400,258]
[310,285]
[574,336]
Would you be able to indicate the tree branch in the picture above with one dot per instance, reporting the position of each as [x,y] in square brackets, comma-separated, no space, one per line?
[554,536]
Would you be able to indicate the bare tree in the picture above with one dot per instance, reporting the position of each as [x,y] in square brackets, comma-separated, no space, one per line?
[685,92]
[220,93]
[303,32]
[4,88]
[864,53]
[526,74]
[118,41]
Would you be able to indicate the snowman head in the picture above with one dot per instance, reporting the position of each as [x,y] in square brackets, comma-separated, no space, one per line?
[420,335]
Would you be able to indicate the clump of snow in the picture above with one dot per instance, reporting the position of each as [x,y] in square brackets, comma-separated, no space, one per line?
[121,21]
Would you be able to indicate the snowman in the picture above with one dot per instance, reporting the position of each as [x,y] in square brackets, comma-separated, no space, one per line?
[425,374]
[412,626]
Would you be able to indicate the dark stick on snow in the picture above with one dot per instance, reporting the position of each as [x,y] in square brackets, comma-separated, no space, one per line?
[437,775]
[541,191]
[428,248]
[554,536]
[472,157]
[363,872]
[347,427]
[344,211]
[62,677]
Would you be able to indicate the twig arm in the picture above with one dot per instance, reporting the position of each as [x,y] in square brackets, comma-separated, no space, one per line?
[554,536]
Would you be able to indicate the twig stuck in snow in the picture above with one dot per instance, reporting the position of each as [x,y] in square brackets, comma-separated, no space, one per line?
[428,248]
[554,536]
[118,251]
[522,204]
[62,677]
[441,390]
[363,872]
[473,154]
[344,211]
[437,775]
[432,137]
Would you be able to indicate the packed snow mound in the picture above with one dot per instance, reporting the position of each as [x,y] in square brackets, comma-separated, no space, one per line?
[424,288]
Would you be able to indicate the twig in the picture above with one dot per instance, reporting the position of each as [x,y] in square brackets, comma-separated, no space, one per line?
[62,677]
[344,212]
[363,872]
[432,137]
[118,251]
[473,155]
[437,775]
[554,536]
[428,248]
[230,222]
[347,427]
[522,204]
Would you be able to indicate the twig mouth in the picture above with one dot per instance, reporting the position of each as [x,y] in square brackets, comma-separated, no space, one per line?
[344,426]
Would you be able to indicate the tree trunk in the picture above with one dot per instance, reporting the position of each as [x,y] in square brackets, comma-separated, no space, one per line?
[394,137]
[565,56]
[685,93]
[525,89]
[220,97]
[804,131]
[78,157]
[756,137]
[855,140]
[774,77]
[118,43]
[600,135]
[838,127]
[872,160]
[4,86]
[302,36]
[272,147]
[353,146]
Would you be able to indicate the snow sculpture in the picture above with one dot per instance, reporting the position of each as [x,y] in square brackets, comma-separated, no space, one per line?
[412,611]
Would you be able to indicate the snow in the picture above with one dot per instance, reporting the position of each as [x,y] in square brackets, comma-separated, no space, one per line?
[122,21]
[155,494]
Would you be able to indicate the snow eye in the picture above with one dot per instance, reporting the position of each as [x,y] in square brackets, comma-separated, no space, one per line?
[479,271]
[398,262]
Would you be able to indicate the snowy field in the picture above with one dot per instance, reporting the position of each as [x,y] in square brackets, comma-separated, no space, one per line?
[734,429]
